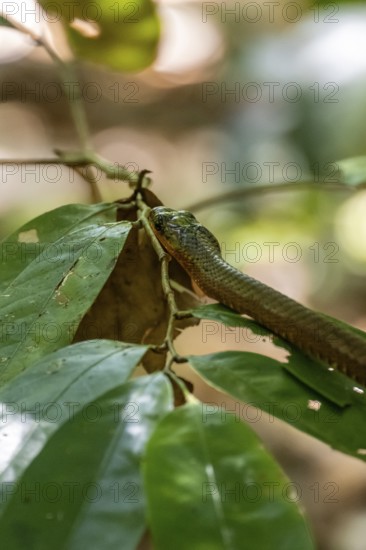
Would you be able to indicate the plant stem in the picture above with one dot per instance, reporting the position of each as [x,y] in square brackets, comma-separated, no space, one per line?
[77,108]
[188,396]
[86,155]
[249,190]
[67,73]
[164,258]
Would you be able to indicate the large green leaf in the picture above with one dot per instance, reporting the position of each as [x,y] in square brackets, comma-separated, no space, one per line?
[123,34]
[227,316]
[333,385]
[87,489]
[210,484]
[262,382]
[36,403]
[50,285]
[33,239]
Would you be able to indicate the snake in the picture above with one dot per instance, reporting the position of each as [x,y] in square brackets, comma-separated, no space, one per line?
[197,250]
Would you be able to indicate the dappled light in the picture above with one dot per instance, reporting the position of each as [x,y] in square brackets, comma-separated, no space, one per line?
[183,267]
[186,57]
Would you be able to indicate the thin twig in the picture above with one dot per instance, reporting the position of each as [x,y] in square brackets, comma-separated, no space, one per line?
[188,396]
[164,259]
[163,256]
[86,156]
[68,74]
[249,190]
[95,193]
[79,159]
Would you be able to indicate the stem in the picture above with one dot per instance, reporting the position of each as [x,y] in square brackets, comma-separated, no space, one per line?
[95,193]
[113,171]
[266,188]
[67,73]
[186,393]
[78,159]
[77,108]
[86,155]
[164,258]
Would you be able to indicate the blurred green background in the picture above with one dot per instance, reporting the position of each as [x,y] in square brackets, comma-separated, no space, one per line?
[240,93]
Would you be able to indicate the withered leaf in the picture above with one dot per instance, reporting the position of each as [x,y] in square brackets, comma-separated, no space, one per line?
[131,306]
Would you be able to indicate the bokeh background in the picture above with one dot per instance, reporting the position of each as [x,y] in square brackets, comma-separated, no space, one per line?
[241,93]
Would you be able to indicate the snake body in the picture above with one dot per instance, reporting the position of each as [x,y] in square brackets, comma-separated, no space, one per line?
[198,252]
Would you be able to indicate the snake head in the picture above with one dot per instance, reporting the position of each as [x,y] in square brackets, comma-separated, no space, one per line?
[161,216]
[181,234]
[172,227]
[169,224]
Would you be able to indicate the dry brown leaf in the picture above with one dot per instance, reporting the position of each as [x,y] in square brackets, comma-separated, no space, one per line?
[131,307]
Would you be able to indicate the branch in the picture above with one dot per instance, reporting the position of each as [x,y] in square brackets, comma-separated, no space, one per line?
[79,159]
[67,72]
[174,312]
[265,189]
[86,156]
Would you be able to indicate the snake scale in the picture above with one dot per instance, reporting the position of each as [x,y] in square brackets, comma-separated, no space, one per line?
[198,252]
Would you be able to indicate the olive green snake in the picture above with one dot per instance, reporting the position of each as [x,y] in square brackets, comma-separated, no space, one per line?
[198,252]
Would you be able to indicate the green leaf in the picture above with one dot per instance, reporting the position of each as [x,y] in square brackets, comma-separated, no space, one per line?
[335,386]
[28,242]
[47,286]
[352,170]
[229,317]
[84,490]
[262,382]
[210,484]
[36,403]
[122,35]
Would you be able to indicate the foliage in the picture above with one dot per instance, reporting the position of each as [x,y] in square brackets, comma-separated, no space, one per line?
[95,453]
[122,35]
